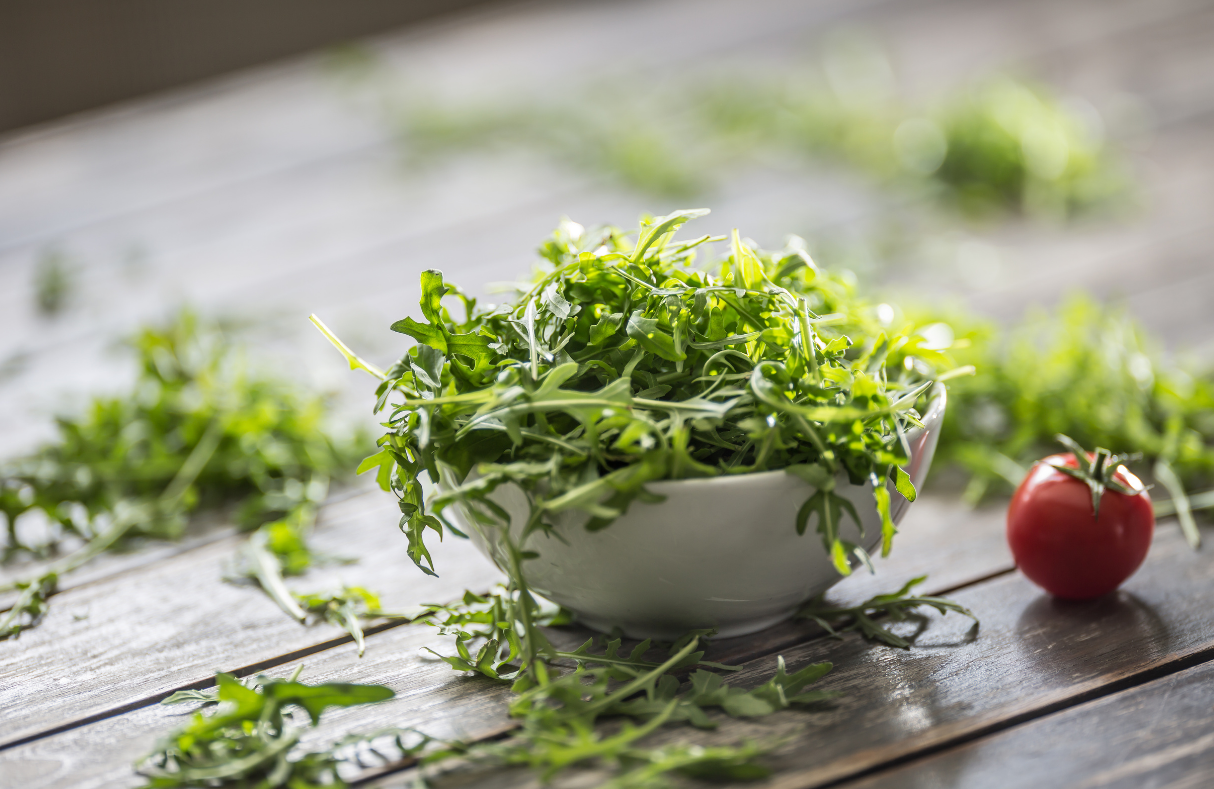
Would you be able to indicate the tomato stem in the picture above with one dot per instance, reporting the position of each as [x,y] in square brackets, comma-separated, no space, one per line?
[1100,473]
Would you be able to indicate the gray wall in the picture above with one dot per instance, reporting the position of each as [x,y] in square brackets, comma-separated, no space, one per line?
[62,56]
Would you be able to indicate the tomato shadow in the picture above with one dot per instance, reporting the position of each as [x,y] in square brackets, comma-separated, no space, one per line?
[1118,627]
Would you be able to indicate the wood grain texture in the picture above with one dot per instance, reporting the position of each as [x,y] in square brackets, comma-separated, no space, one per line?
[1158,735]
[938,535]
[1032,656]
[117,643]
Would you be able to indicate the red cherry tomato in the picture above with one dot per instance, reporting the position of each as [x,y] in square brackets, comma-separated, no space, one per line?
[1063,549]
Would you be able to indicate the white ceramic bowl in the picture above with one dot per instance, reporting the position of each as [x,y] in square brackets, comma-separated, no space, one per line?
[721,552]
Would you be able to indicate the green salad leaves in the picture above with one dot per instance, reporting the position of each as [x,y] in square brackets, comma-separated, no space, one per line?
[251,739]
[197,431]
[623,364]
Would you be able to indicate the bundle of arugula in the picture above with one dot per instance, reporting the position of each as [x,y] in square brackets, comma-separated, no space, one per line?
[999,145]
[197,431]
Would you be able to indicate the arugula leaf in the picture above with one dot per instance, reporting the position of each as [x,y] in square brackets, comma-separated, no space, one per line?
[426,334]
[649,335]
[653,230]
[899,606]
[250,738]
[346,608]
[433,290]
[198,430]
[315,699]
[30,605]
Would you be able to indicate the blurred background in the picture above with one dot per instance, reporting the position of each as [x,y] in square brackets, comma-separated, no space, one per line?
[264,160]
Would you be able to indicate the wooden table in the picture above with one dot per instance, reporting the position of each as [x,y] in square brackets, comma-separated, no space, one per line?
[276,194]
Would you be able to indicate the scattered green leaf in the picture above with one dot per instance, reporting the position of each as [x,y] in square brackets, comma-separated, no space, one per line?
[899,606]
[251,737]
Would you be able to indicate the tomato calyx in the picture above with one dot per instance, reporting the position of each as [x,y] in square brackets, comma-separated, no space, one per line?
[1101,472]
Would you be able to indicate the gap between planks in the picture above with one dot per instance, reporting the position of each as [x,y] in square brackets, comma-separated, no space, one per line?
[244,671]
[1100,744]
[1122,685]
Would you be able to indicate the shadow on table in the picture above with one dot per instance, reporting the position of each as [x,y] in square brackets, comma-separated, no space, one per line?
[1068,634]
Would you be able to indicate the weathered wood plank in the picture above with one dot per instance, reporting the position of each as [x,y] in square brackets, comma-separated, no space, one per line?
[1160,734]
[1033,656]
[277,119]
[117,643]
[1154,52]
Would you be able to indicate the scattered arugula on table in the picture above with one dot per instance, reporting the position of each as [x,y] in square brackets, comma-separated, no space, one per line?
[347,608]
[563,705]
[561,709]
[30,606]
[1009,144]
[53,281]
[998,144]
[866,618]
[251,739]
[483,620]
[196,431]
[589,707]
[1097,377]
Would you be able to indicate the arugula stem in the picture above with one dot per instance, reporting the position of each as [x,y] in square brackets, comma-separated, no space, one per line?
[195,463]
[1181,505]
[268,571]
[355,361]
[641,681]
